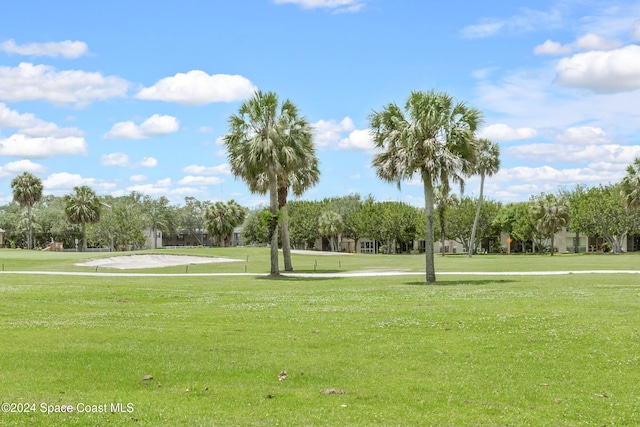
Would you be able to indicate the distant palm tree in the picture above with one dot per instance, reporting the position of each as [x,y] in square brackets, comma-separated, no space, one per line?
[487,163]
[82,207]
[267,142]
[433,136]
[442,202]
[330,224]
[548,215]
[27,191]
[630,185]
[221,219]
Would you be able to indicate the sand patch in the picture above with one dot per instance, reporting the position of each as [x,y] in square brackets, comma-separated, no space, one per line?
[130,262]
[320,253]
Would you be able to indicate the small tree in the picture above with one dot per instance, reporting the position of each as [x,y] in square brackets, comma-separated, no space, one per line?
[27,191]
[82,207]
[548,215]
[330,225]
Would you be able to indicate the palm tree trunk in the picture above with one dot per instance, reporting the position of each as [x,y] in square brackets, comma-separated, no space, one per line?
[286,240]
[273,224]
[475,221]
[551,249]
[441,211]
[84,237]
[284,231]
[428,238]
[30,235]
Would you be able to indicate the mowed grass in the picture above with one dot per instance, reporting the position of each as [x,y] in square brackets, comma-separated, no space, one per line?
[470,351]
[256,260]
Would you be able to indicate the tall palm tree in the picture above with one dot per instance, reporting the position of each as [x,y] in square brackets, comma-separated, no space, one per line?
[82,207]
[27,191]
[486,163]
[433,136]
[442,202]
[548,215]
[630,185]
[267,142]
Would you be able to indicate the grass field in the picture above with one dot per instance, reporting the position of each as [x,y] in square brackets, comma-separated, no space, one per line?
[471,351]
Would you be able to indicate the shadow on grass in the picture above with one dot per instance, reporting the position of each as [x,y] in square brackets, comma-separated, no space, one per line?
[467,282]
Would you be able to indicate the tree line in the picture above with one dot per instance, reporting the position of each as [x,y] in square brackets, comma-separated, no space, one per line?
[32,220]
[432,136]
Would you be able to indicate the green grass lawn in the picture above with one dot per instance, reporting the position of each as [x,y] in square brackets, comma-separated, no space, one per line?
[256,260]
[471,351]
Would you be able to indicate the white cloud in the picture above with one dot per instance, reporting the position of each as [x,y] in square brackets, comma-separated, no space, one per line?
[555,153]
[138,178]
[602,72]
[502,132]
[162,187]
[526,20]
[122,160]
[66,48]
[594,42]
[223,169]
[115,159]
[587,42]
[547,174]
[19,166]
[155,125]
[205,129]
[552,48]
[360,140]
[28,124]
[336,5]
[198,88]
[28,82]
[200,180]
[484,29]
[583,135]
[24,146]
[66,181]
[149,162]
[328,133]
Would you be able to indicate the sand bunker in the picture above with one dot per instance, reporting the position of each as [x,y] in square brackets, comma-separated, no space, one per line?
[129,262]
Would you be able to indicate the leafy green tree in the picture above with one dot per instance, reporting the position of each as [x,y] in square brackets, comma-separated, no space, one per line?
[630,186]
[486,163]
[53,222]
[268,141]
[191,218]
[221,218]
[82,207]
[603,212]
[10,215]
[397,223]
[345,206]
[434,137]
[27,191]
[461,218]
[358,222]
[254,229]
[303,221]
[331,225]
[548,215]
[443,201]
[158,215]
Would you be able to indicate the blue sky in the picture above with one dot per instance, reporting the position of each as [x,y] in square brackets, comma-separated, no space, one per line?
[134,96]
